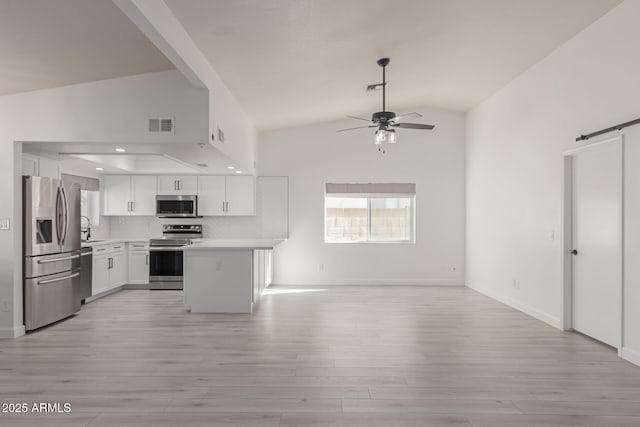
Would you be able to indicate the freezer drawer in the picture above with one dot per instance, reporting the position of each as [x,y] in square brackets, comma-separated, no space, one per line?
[51,298]
[51,264]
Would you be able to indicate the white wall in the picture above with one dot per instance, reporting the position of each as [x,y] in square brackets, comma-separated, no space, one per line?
[313,155]
[515,142]
[113,110]
[160,25]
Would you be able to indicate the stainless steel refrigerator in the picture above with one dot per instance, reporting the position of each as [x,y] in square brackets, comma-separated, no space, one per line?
[51,250]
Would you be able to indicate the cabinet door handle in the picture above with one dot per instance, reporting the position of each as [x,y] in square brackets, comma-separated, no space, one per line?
[133,206]
[147,261]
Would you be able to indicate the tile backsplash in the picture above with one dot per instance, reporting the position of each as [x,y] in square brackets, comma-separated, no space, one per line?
[151,227]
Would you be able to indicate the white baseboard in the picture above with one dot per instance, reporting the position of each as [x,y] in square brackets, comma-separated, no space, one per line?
[630,355]
[375,283]
[525,308]
[12,333]
[103,294]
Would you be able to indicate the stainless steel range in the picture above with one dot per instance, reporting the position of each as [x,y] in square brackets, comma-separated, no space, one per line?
[165,255]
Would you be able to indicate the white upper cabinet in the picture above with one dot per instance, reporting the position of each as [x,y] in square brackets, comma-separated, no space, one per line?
[116,195]
[177,185]
[29,165]
[143,189]
[211,195]
[273,206]
[124,195]
[48,168]
[241,195]
[39,166]
[226,195]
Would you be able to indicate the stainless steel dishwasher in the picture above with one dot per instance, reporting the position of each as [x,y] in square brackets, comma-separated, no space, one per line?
[86,271]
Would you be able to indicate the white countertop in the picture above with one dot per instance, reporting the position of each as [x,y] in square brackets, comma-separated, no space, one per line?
[207,244]
[109,241]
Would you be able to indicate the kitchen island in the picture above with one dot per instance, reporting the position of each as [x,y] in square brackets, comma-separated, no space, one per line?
[226,275]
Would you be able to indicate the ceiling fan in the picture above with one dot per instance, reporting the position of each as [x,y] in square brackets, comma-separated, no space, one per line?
[387,121]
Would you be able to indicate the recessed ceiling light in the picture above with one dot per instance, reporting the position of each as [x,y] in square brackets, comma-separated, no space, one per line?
[99,169]
[238,171]
[120,150]
[231,167]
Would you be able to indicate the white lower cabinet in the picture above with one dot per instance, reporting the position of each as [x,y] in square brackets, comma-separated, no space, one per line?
[100,273]
[109,267]
[138,264]
[118,273]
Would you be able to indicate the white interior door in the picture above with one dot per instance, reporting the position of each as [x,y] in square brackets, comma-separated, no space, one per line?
[597,241]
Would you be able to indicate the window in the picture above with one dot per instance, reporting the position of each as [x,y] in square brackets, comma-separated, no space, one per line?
[90,207]
[369,213]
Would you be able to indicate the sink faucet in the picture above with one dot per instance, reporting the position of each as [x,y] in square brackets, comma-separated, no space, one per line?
[87,229]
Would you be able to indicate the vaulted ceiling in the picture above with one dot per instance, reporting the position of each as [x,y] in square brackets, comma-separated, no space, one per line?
[50,43]
[291,62]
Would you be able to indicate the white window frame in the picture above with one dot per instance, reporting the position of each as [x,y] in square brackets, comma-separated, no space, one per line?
[411,196]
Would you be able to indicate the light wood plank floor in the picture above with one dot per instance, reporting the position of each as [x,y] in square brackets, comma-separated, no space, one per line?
[341,356]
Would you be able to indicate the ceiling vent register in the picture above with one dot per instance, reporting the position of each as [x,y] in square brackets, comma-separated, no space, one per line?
[162,125]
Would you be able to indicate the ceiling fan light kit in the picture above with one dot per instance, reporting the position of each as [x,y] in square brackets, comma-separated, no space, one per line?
[385,136]
[384,120]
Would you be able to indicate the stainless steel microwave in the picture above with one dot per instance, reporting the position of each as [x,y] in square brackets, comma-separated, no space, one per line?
[177,206]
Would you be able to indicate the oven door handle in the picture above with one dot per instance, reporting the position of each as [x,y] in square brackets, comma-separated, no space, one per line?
[165,248]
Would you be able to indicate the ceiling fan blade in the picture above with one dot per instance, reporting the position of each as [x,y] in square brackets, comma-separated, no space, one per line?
[359,127]
[412,126]
[359,118]
[407,116]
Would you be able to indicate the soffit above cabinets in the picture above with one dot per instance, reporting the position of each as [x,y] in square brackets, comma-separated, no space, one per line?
[45,44]
[293,62]
[151,159]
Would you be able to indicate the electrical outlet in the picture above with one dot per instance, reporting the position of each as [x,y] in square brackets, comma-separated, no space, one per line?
[5,224]
[5,305]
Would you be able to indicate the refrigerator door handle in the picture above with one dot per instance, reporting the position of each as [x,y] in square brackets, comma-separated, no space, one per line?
[66,258]
[58,215]
[65,210]
[58,279]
